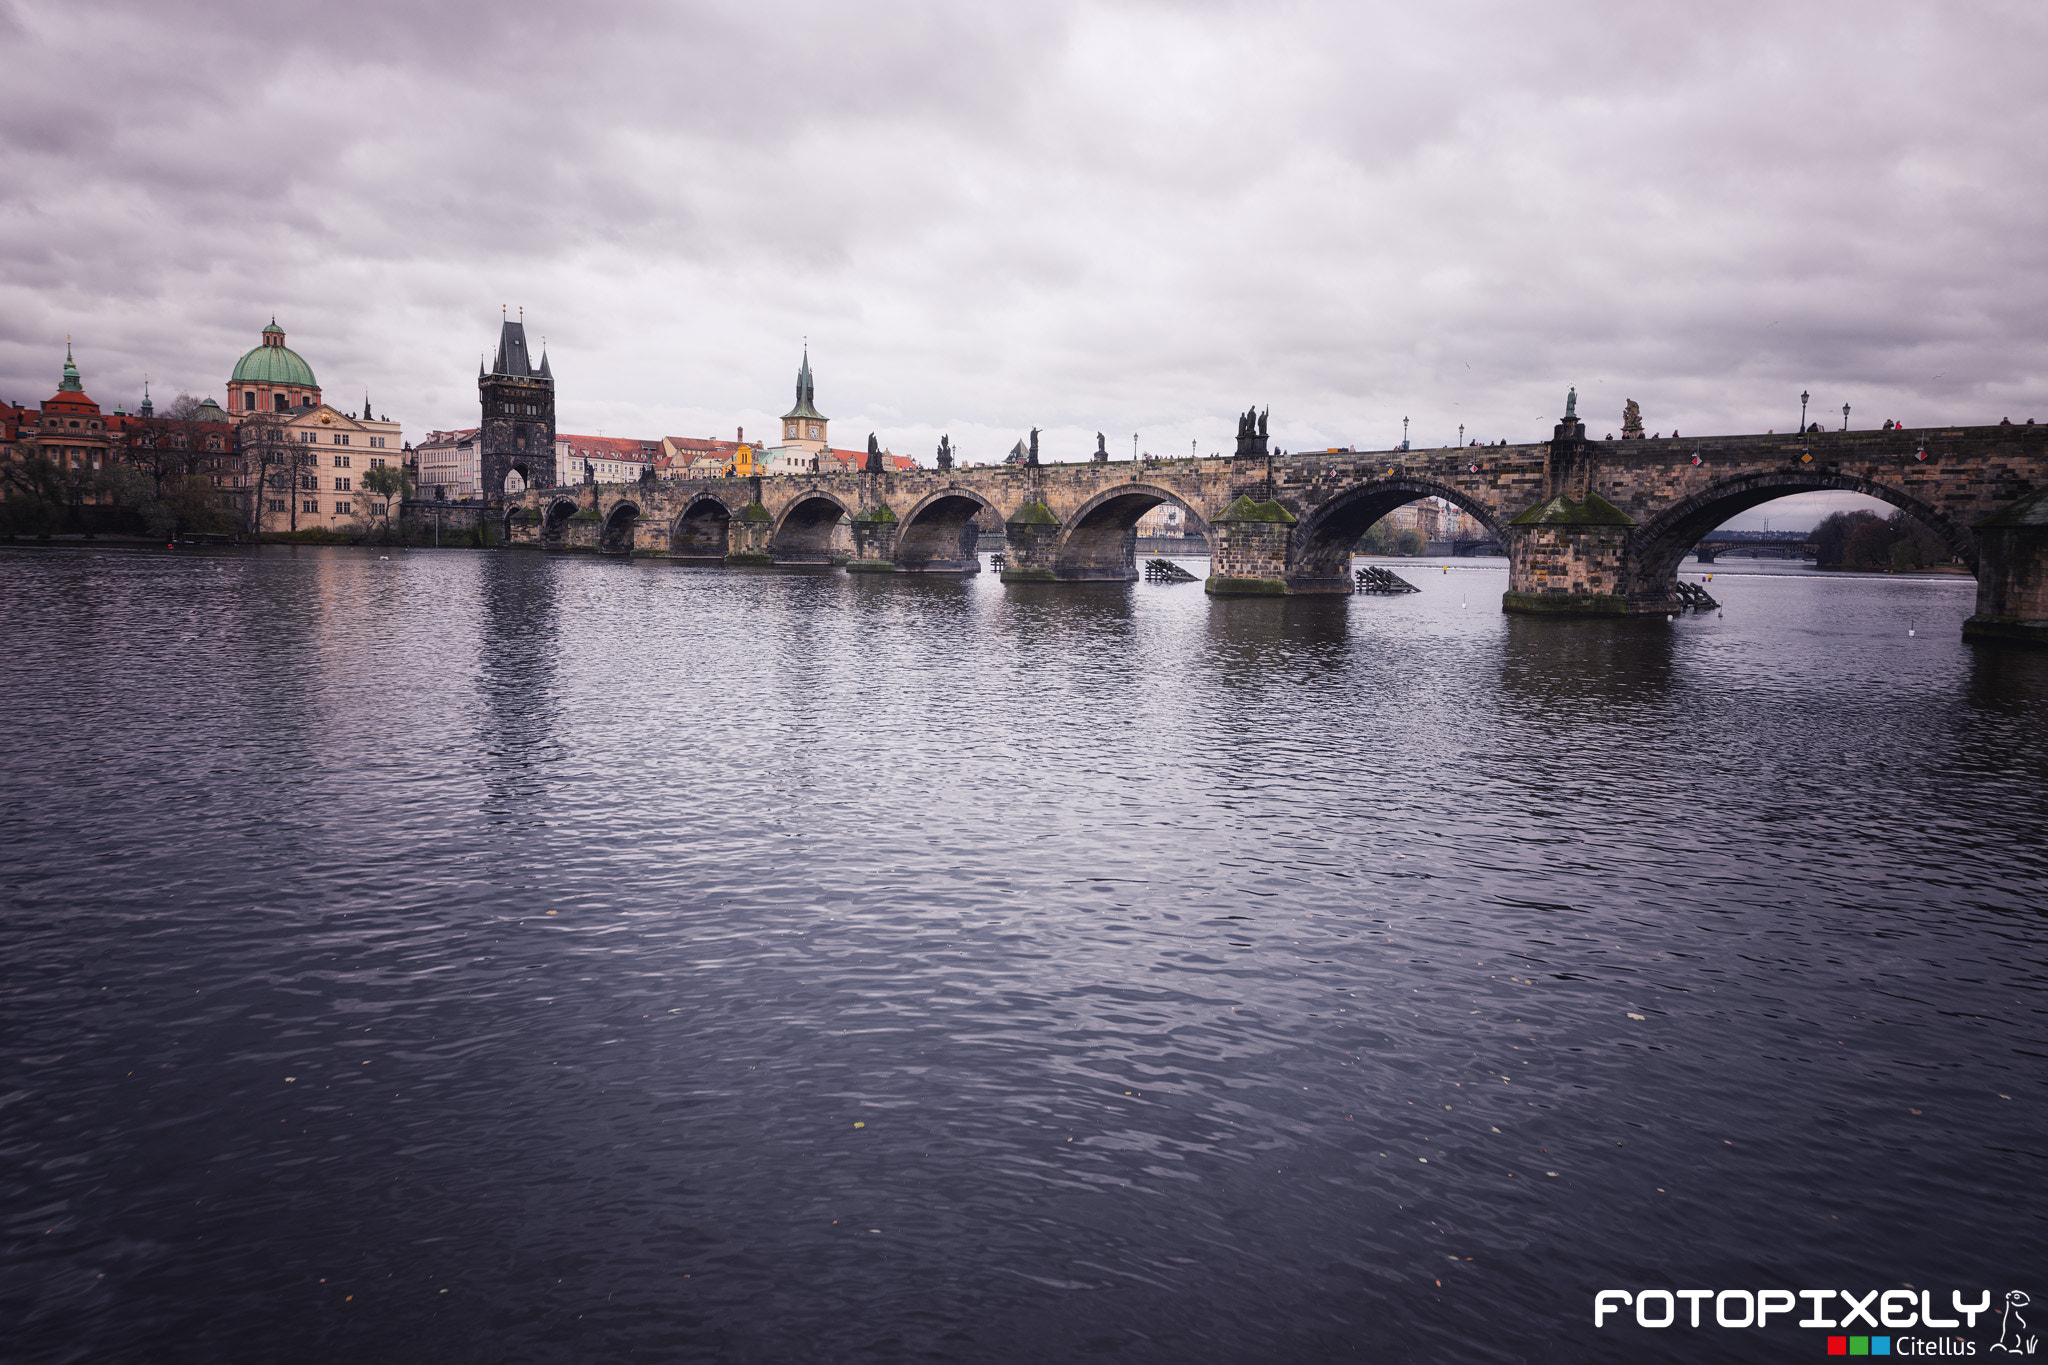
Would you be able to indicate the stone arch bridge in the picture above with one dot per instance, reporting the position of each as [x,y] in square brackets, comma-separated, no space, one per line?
[1590,527]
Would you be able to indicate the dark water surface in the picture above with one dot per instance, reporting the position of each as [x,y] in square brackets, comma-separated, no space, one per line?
[470,957]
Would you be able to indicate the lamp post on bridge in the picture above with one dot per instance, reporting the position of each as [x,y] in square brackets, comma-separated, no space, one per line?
[1845,416]
[1803,395]
[1404,433]
[1461,435]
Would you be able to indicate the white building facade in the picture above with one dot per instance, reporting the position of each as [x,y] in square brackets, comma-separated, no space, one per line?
[450,465]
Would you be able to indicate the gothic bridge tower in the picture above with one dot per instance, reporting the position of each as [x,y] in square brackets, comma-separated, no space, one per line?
[518,427]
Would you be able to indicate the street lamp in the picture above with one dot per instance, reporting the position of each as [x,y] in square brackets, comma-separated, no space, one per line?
[1404,433]
[1802,409]
[1845,416]
[1461,435]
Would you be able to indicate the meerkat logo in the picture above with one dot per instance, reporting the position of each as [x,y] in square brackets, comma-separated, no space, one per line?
[2012,1328]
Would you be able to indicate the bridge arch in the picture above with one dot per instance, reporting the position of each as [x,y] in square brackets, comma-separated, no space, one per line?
[619,524]
[702,530]
[1324,540]
[1658,546]
[803,533]
[940,534]
[555,520]
[1100,539]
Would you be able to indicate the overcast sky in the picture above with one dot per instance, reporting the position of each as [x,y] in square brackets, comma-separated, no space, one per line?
[1125,218]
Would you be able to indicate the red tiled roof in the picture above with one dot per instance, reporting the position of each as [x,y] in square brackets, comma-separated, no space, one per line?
[608,447]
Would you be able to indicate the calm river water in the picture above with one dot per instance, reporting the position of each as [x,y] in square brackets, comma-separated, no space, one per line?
[486,957]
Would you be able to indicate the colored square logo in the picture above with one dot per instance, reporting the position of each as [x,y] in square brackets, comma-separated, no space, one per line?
[1859,1346]
[1880,1346]
[1838,1346]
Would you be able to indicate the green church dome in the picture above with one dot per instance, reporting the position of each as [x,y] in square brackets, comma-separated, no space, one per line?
[273,363]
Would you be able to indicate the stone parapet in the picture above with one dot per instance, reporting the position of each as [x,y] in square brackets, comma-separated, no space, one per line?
[1586,523]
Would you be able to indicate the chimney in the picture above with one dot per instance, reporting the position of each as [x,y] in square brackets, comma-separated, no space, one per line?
[739,436]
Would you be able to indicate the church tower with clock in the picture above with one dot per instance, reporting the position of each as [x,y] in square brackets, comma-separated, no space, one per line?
[517,433]
[803,426]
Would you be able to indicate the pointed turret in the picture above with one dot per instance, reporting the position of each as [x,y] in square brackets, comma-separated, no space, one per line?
[512,357]
[806,408]
[545,372]
[148,407]
[70,382]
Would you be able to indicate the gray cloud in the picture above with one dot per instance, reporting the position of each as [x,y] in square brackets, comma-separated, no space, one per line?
[1127,218]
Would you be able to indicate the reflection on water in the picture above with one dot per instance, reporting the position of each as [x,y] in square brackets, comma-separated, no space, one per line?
[496,957]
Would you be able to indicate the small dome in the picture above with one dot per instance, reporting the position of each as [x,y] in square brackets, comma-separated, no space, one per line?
[273,363]
[209,411]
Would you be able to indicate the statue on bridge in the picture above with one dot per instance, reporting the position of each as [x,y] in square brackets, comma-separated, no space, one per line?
[1032,458]
[874,464]
[1251,433]
[1571,403]
[1631,421]
[945,452]
[1101,450]
[589,472]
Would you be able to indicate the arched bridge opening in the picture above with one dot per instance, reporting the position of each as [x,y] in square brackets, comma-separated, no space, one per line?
[555,521]
[702,531]
[1101,539]
[1659,547]
[619,526]
[1325,541]
[942,534]
[807,530]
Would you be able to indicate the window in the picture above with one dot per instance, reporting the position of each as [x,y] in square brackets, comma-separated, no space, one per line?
[308,482]
[378,509]
[249,405]
[283,403]
[341,462]
[376,463]
[377,442]
[309,505]
[341,483]
[341,509]
[306,437]
[340,439]
[278,504]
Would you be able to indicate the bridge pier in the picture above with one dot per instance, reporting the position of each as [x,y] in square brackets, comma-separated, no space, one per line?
[1032,536]
[1571,553]
[874,540]
[747,536]
[1248,547]
[1570,559]
[2012,575]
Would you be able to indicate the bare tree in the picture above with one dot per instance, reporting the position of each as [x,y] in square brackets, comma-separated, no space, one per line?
[276,464]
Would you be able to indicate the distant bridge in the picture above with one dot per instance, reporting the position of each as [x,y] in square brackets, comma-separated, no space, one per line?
[1590,527]
[1755,545]
[1463,547]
